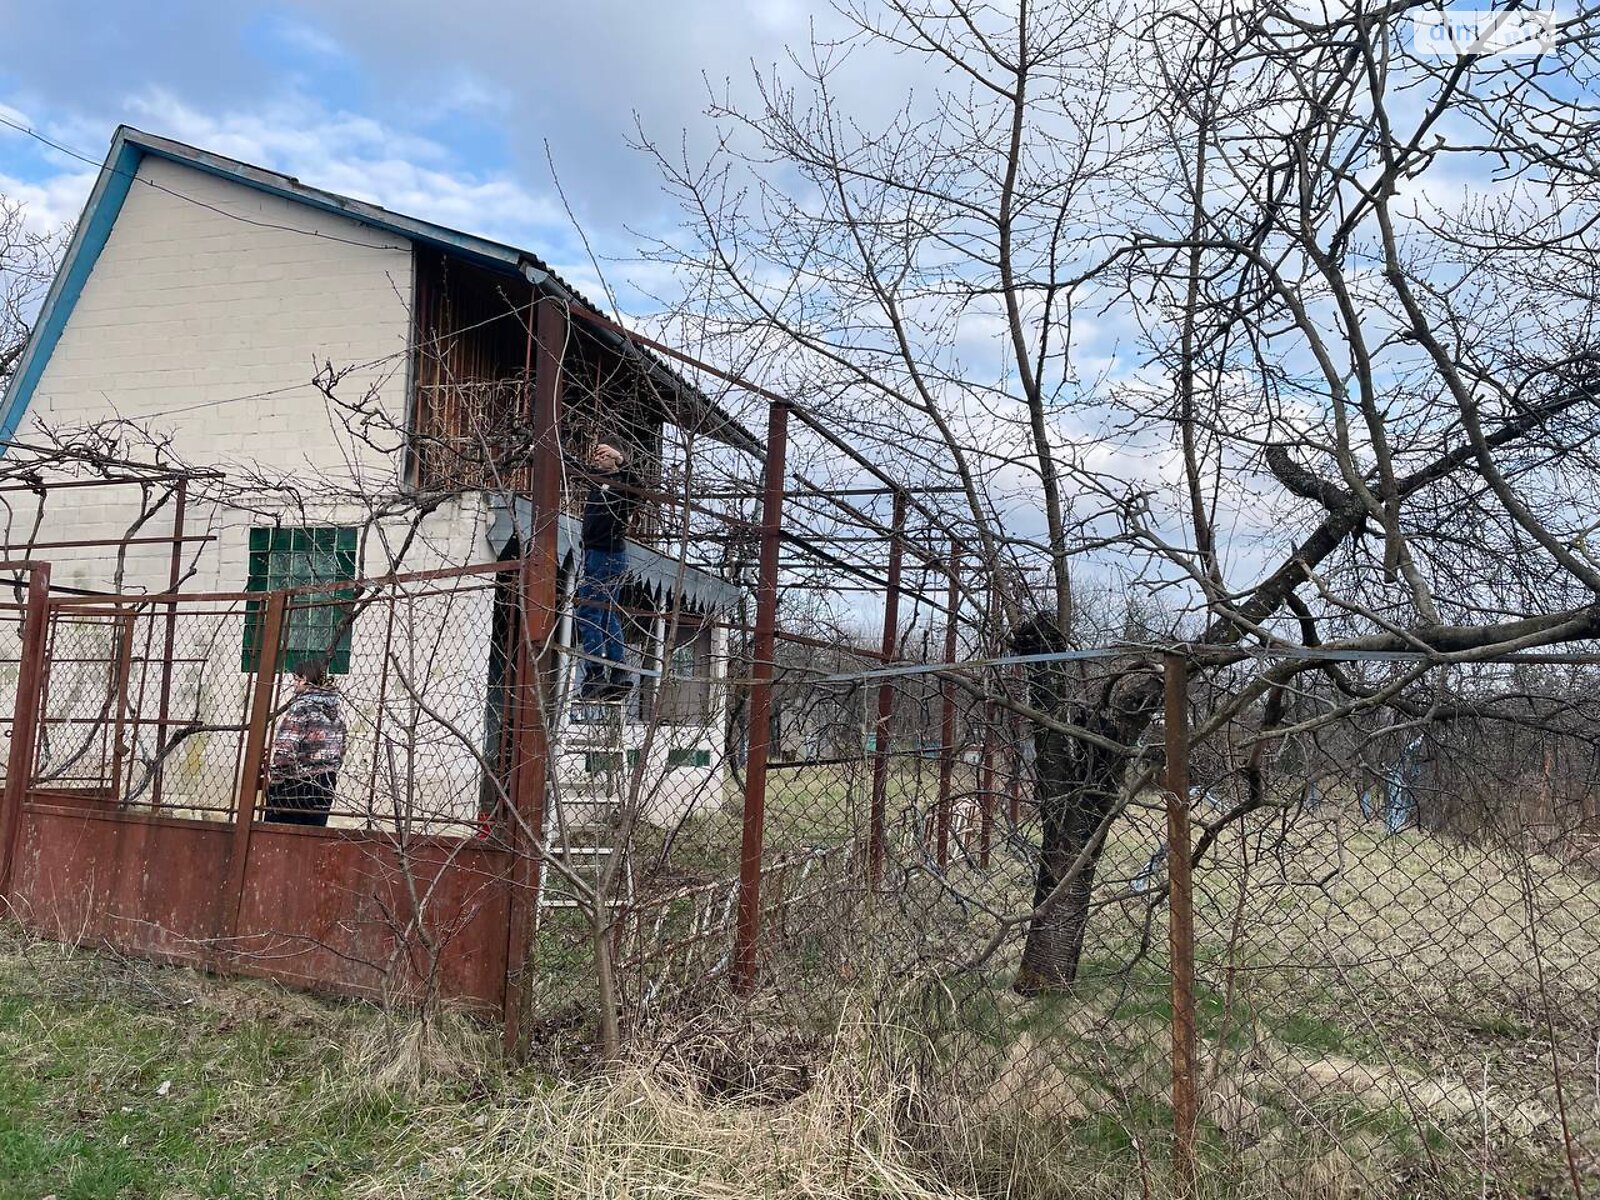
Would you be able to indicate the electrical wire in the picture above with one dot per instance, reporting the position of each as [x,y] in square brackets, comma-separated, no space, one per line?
[221,212]
[428,344]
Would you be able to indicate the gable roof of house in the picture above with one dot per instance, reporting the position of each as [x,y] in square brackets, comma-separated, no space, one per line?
[130,146]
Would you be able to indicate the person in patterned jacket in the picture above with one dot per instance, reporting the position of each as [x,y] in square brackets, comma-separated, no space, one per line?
[307,750]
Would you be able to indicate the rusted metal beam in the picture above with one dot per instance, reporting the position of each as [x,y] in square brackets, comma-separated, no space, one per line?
[754,493]
[752,837]
[79,604]
[83,543]
[935,519]
[800,639]
[31,672]
[56,485]
[1180,904]
[537,603]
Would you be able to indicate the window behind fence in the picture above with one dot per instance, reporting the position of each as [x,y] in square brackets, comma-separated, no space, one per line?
[685,696]
[319,624]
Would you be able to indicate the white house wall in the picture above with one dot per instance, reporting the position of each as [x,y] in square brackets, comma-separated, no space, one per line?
[206,317]
[208,313]
[207,291]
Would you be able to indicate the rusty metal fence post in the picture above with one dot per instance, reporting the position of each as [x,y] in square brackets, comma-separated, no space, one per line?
[169,642]
[536,605]
[121,679]
[947,713]
[880,729]
[1180,905]
[24,718]
[755,777]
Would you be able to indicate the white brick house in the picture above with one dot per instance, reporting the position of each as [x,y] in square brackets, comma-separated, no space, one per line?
[200,298]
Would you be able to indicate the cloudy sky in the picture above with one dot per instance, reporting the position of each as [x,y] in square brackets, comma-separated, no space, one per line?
[443,111]
[455,112]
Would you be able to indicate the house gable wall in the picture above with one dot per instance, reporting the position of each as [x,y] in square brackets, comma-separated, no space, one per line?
[207,314]
[207,291]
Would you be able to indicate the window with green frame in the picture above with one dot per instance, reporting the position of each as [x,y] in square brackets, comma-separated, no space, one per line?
[288,557]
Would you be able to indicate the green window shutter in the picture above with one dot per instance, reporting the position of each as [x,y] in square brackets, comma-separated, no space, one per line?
[688,756]
[318,624]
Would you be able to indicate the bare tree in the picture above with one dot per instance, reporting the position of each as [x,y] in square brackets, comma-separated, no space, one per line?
[28,259]
[1269,322]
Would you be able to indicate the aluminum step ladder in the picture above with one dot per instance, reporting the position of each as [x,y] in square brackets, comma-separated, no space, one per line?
[581,817]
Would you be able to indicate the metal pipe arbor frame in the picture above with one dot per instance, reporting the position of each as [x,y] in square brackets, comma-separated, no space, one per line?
[537,603]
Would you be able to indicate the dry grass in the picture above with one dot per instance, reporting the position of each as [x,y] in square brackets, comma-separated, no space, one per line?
[645,1131]
[1372,1026]
[412,1056]
[1372,1014]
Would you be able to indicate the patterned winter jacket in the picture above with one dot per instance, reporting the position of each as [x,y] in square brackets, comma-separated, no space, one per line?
[310,737]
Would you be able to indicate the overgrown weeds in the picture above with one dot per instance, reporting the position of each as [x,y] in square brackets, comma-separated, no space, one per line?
[125,1079]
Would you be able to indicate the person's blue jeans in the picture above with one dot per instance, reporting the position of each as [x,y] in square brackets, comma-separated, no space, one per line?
[599,622]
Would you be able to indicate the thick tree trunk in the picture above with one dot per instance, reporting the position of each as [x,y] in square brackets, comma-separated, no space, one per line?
[1076,786]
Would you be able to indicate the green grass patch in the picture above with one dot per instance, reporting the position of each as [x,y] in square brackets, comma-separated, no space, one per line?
[201,1089]
[1306,1032]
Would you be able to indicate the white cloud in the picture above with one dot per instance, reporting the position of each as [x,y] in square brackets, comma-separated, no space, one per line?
[467,93]
[50,200]
[341,152]
[369,160]
[50,204]
[309,39]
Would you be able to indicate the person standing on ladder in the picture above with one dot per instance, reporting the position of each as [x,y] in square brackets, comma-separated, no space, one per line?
[606,512]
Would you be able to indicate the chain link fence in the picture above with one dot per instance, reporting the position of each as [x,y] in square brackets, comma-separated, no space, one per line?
[1394,953]
[947,867]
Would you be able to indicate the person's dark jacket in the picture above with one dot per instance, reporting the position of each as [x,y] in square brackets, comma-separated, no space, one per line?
[608,509]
